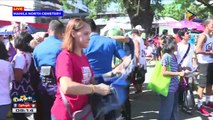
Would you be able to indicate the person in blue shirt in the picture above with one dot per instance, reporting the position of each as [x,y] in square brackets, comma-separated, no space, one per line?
[45,55]
[192,39]
[100,52]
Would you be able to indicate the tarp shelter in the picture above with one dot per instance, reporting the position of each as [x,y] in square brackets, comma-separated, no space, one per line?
[38,26]
[164,20]
[8,30]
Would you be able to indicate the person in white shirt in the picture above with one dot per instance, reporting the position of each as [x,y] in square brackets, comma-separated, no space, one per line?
[6,76]
[185,52]
[141,68]
[204,51]
[21,63]
[140,29]
[186,63]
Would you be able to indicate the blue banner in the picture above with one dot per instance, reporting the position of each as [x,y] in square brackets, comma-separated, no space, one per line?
[38,13]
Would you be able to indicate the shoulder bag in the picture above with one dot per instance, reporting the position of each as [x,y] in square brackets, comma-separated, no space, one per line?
[158,82]
[84,114]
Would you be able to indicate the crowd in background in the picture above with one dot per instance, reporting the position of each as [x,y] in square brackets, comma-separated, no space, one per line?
[62,66]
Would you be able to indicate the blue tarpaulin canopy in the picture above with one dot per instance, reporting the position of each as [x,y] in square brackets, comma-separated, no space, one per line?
[8,30]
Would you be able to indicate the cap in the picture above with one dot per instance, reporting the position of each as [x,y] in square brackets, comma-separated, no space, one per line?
[114,32]
[139,27]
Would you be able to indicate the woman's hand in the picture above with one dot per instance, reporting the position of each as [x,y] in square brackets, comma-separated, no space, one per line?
[182,73]
[102,89]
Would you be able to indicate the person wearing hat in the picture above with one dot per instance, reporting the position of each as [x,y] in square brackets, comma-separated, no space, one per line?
[140,70]
[128,46]
[140,29]
[45,55]
[100,52]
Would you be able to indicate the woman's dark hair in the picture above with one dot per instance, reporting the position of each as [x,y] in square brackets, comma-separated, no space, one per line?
[165,31]
[169,44]
[22,42]
[10,37]
[182,32]
[3,51]
[175,30]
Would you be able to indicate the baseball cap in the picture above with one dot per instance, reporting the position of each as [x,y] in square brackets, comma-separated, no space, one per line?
[139,27]
[114,32]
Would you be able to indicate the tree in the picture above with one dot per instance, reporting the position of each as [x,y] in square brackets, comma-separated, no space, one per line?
[178,9]
[208,4]
[140,11]
[209,7]
[172,10]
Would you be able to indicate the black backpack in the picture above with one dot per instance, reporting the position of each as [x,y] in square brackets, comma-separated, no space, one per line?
[34,75]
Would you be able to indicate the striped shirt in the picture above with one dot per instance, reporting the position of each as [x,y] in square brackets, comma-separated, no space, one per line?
[173,68]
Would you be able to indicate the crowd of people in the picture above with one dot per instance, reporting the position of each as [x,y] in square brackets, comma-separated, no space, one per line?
[61,68]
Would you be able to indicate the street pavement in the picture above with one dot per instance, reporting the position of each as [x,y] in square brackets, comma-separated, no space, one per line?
[145,106]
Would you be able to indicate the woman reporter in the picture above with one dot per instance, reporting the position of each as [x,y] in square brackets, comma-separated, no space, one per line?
[73,72]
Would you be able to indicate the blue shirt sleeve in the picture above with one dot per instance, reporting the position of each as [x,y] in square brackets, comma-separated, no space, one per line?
[164,60]
[119,52]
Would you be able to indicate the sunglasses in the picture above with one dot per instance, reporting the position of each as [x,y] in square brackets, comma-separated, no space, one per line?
[187,33]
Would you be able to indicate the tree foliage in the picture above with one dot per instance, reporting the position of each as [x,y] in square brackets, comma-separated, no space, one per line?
[178,9]
[141,12]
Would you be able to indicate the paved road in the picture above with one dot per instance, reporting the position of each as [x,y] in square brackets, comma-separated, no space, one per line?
[146,105]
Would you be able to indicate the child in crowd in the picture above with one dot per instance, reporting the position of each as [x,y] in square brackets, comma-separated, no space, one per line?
[168,107]
[21,63]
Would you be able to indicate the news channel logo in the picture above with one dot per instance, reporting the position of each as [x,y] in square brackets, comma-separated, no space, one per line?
[23,99]
[24,104]
[19,11]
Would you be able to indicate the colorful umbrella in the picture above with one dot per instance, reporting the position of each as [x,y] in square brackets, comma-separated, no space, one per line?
[187,24]
[176,25]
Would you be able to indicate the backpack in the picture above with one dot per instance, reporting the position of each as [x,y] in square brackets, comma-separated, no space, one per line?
[34,75]
[25,86]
